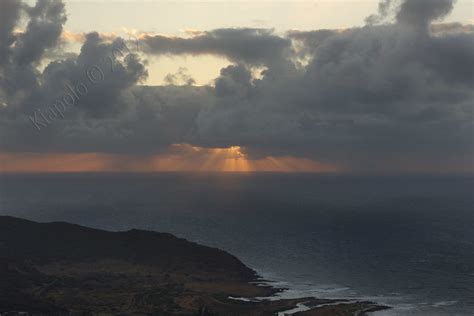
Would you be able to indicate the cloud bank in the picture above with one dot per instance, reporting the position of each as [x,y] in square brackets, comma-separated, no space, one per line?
[393,95]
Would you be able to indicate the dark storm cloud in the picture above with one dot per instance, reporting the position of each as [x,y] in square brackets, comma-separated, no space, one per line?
[21,52]
[394,94]
[107,69]
[373,97]
[419,13]
[9,15]
[45,25]
[32,97]
[253,46]
[423,12]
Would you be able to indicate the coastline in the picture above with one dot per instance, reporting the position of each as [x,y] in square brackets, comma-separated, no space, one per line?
[52,268]
[313,305]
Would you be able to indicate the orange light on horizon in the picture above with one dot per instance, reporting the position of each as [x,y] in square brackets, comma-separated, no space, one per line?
[180,158]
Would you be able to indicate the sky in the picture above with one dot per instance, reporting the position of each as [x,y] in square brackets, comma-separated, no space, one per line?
[302,86]
[174,18]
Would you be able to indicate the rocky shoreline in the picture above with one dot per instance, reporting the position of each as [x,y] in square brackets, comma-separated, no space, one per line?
[67,269]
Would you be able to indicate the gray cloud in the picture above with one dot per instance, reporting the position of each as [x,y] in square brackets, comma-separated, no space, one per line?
[22,52]
[418,13]
[114,66]
[386,96]
[384,10]
[9,15]
[45,25]
[249,45]
[423,12]
[180,77]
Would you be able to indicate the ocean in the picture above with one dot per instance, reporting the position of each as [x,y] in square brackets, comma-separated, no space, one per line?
[402,240]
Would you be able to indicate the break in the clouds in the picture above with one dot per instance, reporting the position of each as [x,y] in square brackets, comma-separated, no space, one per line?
[395,94]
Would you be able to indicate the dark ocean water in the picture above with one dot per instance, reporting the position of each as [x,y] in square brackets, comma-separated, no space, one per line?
[407,241]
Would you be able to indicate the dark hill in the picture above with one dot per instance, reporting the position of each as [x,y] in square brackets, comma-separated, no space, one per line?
[66,269]
[63,242]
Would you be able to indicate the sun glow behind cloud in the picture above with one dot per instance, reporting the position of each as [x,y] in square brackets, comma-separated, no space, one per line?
[180,158]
